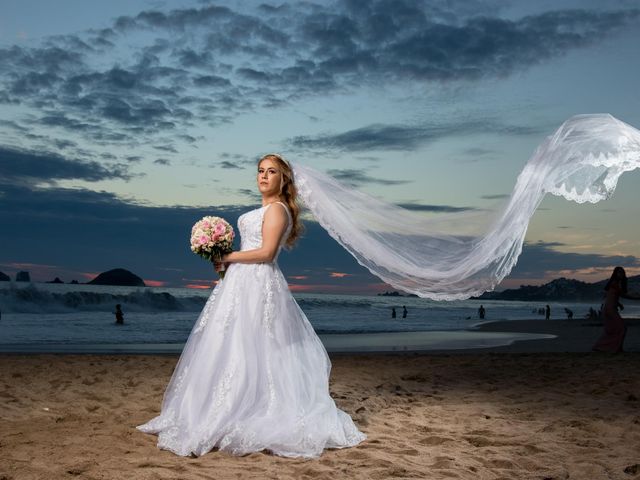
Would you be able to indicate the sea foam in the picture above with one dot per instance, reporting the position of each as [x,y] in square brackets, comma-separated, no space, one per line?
[31,299]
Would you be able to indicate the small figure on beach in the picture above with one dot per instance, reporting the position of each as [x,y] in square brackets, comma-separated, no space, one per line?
[569,313]
[119,315]
[547,312]
[393,312]
[404,312]
[592,315]
[614,327]
[481,312]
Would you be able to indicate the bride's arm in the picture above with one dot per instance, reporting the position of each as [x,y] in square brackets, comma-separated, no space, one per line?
[273,227]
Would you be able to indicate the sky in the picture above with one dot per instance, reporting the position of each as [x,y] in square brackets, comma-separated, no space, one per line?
[124,122]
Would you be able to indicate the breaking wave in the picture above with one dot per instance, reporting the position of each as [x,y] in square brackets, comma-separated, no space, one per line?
[34,300]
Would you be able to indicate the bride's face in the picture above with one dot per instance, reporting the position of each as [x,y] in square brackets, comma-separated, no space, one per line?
[269,177]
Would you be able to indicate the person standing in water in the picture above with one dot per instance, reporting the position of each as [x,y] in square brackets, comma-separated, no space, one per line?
[119,315]
[615,329]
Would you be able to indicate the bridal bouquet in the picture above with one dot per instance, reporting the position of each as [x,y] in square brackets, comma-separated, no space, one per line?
[211,238]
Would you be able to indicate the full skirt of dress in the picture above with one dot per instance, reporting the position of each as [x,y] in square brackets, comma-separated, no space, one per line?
[253,376]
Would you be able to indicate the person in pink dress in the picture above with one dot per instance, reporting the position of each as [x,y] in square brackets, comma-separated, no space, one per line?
[614,326]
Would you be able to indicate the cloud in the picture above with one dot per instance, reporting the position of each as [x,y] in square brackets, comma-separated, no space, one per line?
[250,194]
[373,137]
[163,71]
[339,274]
[166,148]
[162,161]
[541,259]
[211,81]
[357,177]
[22,166]
[229,165]
[434,208]
[475,154]
[497,196]
[235,161]
[404,137]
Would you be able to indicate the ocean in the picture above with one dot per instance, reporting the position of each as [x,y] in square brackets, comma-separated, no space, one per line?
[47,317]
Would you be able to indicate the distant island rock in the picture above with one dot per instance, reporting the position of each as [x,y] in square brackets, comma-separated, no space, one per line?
[120,277]
[560,289]
[394,293]
[4,277]
[23,277]
[56,280]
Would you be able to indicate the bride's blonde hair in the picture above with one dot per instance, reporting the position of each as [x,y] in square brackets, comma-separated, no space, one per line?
[290,193]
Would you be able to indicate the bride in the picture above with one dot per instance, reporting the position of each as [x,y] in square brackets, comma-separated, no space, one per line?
[253,374]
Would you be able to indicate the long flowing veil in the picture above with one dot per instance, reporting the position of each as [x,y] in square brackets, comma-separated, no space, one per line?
[458,255]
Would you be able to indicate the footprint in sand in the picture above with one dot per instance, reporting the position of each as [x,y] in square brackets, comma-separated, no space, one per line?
[150,464]
[501,463]
[79,469]
[487,442]
[632,469]
[442,462]
[408,451]
[435,440]
[395,472]
[309,472]
[357,455]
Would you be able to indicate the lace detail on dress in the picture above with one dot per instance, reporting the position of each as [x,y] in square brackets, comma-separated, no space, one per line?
[180,380]
[269,307]
[232,307]
[222,390]
[204,316]
[272,391]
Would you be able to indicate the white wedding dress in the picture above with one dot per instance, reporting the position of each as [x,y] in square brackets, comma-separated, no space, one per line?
[253,374]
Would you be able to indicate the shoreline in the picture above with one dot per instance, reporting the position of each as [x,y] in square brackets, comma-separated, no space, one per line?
[502,336]
[577,335]
[338,344]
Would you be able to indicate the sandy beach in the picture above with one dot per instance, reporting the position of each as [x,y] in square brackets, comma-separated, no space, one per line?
[507,413]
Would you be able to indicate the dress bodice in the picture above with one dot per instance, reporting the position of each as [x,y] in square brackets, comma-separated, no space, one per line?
[250,227]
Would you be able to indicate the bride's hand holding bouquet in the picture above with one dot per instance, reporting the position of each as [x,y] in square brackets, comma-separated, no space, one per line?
[211,238]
